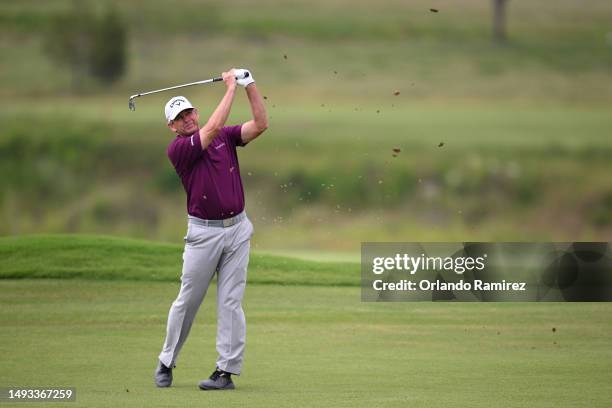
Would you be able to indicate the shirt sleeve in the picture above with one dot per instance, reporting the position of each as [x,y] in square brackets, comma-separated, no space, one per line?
[184,151]
[233,134]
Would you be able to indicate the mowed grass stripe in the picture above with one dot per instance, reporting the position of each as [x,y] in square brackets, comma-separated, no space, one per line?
[101,257]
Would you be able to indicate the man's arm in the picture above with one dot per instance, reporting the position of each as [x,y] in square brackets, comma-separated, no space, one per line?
[217,120]
[253,128]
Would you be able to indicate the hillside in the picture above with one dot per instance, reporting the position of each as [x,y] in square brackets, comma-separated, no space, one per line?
[108,258]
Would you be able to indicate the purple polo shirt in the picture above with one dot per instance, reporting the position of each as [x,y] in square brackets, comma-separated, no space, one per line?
[211,177]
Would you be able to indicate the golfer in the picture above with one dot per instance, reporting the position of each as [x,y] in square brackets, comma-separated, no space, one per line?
[218,230]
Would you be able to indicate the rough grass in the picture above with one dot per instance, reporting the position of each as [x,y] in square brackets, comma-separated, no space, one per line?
[370,47]
[321,177]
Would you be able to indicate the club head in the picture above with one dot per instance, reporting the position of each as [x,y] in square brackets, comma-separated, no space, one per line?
[132,104]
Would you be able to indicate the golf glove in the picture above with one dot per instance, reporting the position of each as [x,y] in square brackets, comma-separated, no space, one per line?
[242,79]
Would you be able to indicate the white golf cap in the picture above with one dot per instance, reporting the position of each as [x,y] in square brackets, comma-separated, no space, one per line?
[175,106]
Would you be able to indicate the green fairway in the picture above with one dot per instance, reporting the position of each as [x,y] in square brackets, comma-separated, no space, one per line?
[307,347]
[311,341]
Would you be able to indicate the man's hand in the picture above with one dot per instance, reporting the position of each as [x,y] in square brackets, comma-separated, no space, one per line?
[245,79]
[229,78]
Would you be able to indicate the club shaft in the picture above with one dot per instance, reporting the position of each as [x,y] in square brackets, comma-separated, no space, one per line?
[132,103]
[178,86]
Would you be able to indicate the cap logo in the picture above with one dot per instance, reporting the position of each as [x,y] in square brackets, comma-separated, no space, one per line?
[176,102]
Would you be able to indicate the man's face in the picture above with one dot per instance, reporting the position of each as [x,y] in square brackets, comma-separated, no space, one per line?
[185,122]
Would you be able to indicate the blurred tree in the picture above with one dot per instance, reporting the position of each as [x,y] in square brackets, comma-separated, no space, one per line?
[67,41]
[108,49]
[499,21]
[88,44]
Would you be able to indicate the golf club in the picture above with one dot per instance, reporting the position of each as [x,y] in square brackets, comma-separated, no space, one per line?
[132,104]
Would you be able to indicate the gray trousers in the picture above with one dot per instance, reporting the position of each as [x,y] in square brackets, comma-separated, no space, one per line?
[208,249]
